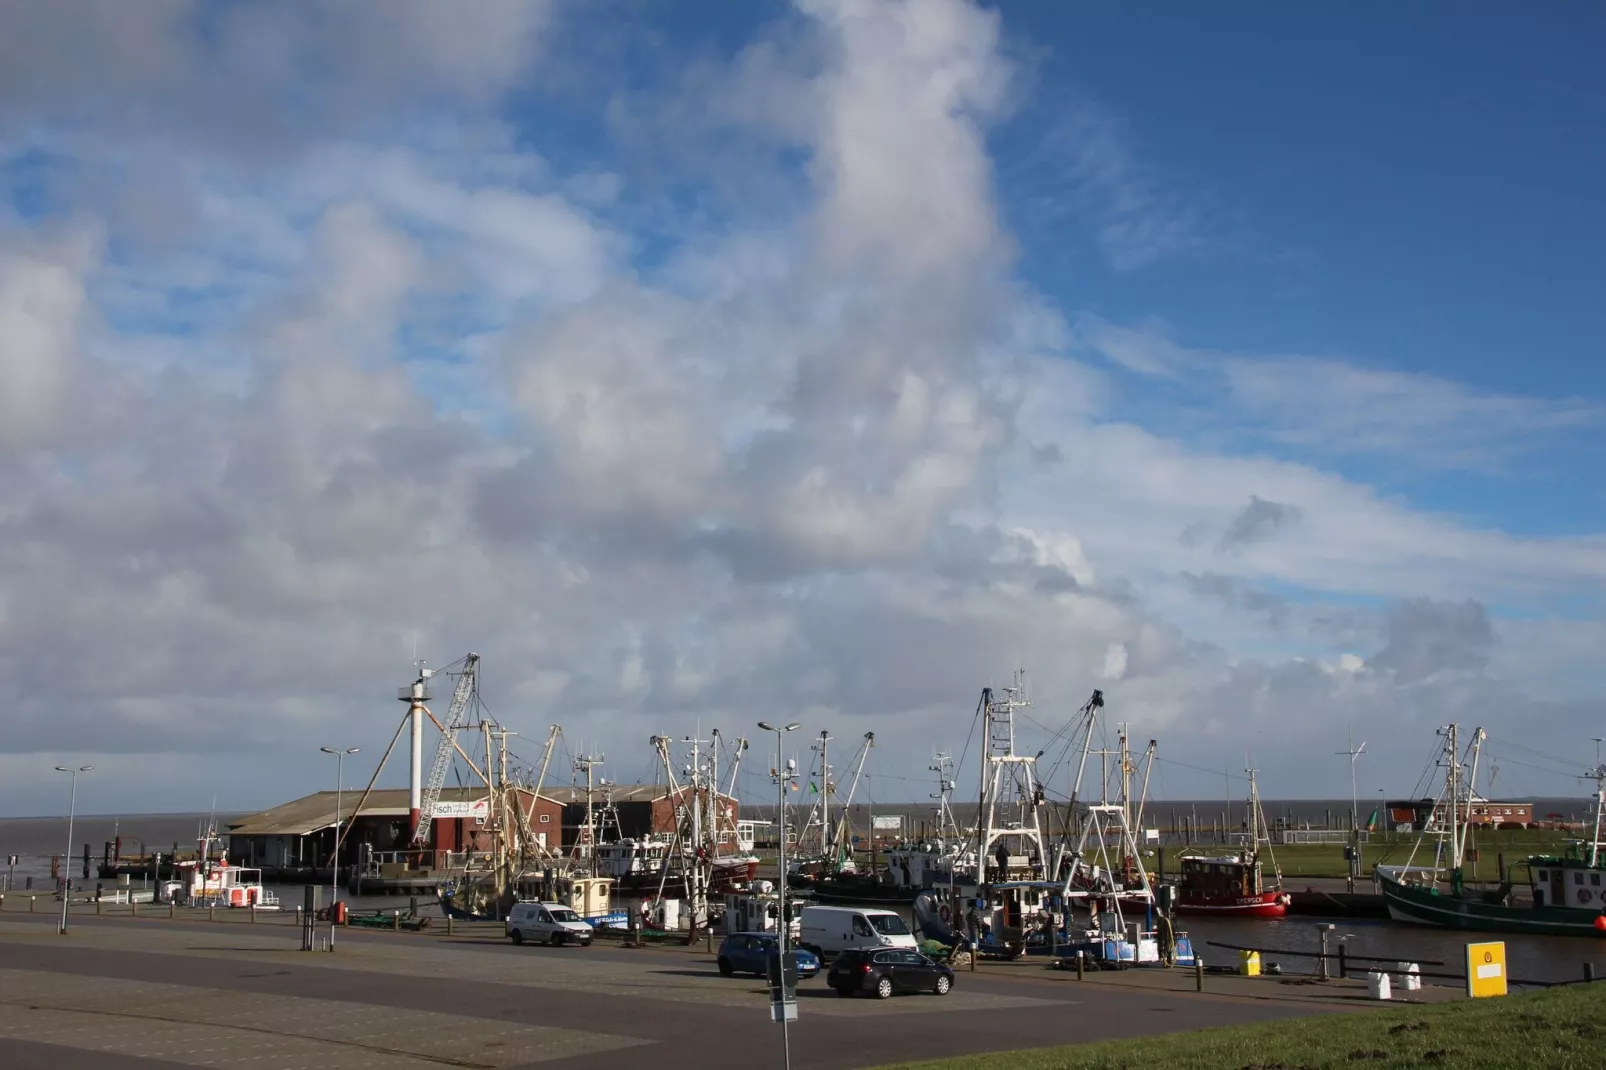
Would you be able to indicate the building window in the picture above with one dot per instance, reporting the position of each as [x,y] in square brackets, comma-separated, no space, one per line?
[546,818]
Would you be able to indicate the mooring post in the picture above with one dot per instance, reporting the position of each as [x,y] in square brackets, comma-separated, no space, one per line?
[1589,971]
[171,908]
[448,925]
[395,922]
[1081,964]
[1198,974]
[31,898]
[211,910]
[253,912]
[1343,966]
[133,906]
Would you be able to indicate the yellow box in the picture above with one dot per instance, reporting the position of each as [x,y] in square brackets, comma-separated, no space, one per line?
[1249,963]
[1486,969]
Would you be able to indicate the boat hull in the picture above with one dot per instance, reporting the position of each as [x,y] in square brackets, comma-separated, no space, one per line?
[1426,906]
[1265,905]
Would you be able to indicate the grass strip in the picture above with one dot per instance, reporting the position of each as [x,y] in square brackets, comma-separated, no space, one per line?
[1558,1029]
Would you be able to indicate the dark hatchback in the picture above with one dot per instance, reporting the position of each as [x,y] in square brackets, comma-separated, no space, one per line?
[883,973]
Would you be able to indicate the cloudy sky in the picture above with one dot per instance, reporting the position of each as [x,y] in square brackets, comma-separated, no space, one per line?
[827,361]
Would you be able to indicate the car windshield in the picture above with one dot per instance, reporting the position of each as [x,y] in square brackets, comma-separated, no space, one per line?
[889,925]
[564,914]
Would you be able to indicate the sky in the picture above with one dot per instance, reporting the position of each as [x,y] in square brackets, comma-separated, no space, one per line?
[827,361]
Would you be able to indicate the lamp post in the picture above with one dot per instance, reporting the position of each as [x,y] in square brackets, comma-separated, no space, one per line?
[72,810]
[334,865]
[784,923]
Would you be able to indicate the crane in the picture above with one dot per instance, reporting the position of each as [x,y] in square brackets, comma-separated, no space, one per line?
[461,695]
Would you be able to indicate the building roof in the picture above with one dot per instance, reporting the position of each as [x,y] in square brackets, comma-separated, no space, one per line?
[317,811]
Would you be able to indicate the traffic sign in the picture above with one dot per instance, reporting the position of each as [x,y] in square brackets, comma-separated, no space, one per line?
[1486,969]
[783,988]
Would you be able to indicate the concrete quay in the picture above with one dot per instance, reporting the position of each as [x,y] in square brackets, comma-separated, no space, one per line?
[146,992]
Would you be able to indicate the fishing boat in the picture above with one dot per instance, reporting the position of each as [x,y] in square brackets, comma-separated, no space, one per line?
[1566,889]
[205,881]
[1233,885]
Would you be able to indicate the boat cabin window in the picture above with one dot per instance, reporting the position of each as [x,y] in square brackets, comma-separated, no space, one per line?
[1543,875]
[1578,877]
[1594,878]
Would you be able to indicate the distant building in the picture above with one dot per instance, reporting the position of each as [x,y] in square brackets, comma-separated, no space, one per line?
[642,809]
[300,834]
[1417,814]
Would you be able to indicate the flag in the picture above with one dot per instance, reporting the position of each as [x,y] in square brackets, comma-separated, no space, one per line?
[814,788]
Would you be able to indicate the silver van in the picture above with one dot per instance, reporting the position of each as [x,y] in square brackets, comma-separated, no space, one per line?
[547,923]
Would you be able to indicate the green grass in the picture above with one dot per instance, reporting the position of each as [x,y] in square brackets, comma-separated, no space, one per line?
[1327,860]
[1558,1029]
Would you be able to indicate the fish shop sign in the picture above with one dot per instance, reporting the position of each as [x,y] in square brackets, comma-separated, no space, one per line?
[478,808]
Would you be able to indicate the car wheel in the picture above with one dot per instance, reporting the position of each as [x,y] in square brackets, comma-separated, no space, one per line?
[883,988]
[725,967]
[517,936]
[943,985]
[557,939]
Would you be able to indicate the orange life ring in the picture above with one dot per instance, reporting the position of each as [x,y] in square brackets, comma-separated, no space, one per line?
[1583,895]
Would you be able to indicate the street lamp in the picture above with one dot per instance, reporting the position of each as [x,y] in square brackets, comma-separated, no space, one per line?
[334,865]
[72,810]
[784,924]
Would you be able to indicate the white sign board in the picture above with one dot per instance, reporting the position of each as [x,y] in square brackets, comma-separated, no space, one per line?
[1151,835]
[887,821]
[479,808]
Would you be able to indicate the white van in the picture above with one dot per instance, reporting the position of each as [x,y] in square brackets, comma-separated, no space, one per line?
[547,923]
[828,930]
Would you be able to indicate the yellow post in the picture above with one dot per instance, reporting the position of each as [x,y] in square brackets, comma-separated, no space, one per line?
[1486,969]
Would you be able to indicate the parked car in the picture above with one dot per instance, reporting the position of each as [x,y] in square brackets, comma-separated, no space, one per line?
[751,953]
[547,923]
[884,972]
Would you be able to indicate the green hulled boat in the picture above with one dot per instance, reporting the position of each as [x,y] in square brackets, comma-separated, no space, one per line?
[1566,889]
[1495,911]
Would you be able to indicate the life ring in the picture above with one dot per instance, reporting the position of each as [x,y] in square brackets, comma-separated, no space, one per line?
[1583,895]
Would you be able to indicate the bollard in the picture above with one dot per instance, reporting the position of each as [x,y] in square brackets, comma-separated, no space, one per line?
[395,922]
[1343,966]
[97,901]
[1589,971]
[448,925]
[1198,974]
[31,898]
[211,911]
[171,907]
[253,912]
[1081,965]
[133,907]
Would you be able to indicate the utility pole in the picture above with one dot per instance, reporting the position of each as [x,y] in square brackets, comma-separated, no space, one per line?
[782,1008]
[72,811]
[1353,753]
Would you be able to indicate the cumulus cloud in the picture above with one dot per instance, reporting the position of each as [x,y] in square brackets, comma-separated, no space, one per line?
[392,369]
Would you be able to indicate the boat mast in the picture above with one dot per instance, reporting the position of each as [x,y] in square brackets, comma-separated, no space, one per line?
[587,763]
[945,788]
[1007,778]
[1600,803]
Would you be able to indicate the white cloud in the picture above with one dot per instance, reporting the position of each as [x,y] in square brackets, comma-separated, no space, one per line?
[836,463]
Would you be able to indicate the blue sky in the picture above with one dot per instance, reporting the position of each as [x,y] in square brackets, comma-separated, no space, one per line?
[836,357]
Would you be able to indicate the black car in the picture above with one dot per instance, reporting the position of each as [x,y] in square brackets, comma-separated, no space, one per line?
[886,972]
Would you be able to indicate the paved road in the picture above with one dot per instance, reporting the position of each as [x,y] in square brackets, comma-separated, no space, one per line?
[147,993]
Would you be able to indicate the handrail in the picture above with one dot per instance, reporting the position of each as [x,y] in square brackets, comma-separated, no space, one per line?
[1323,955]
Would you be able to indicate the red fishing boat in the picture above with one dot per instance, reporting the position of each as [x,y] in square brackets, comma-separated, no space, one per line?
[1228,886]
[1232,885]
